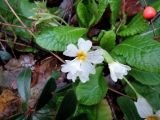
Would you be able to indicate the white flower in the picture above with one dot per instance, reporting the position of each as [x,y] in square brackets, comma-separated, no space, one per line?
[118,70]
[145,110]
[84,60]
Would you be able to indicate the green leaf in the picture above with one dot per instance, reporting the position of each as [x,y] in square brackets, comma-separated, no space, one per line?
[44,115]
[137,25]
[107,39]
[58,38]
[93,91]
[27,8]
[128,108]
[89,12]
[88,111]
[143,54]
[46,93]
[147,78]
[67,107]
[17,117]
[104,111]
[85,16]
[115,8]
[80,117]
[23,82]
[101,6]
[155,5]
[100,111]
[4,55]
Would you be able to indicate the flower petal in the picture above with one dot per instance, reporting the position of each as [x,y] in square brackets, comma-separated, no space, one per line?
[71,51]
[84,77]
[87,67]
[113,76]
[143,107]
[84,45]
[71,66]
[71,76]
[118,70]
[95,56]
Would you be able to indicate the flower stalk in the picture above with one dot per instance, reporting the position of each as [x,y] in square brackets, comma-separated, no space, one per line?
[107,57]
[131,86]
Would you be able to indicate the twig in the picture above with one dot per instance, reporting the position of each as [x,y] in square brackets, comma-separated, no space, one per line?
[115,91]
[6,1]
[153,28]
[16,43]
[7,24]
[60,59]
[14,34]
[2,47]
[145,3]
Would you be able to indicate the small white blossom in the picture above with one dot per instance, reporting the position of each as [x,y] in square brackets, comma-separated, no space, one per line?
[27,61]
[84,60]
[145,110]
[118,70]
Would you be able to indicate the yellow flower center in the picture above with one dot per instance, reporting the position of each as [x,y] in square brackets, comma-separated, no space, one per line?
[152,118]
[81,55]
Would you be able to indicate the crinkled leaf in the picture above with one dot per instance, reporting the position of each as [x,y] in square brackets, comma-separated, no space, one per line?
[27,8]
[147,78]
[58,38]
[89,12]
[23,82]
[128,108]
[93,91]
[67,107]
[137,25]
[115,8]
[107,39]
[47,91]
[142,53]
[85,16]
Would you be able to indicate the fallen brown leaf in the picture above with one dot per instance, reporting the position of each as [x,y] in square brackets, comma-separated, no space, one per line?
[9,103]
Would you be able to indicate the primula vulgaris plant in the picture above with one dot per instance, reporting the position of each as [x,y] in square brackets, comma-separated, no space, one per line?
[125,50]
